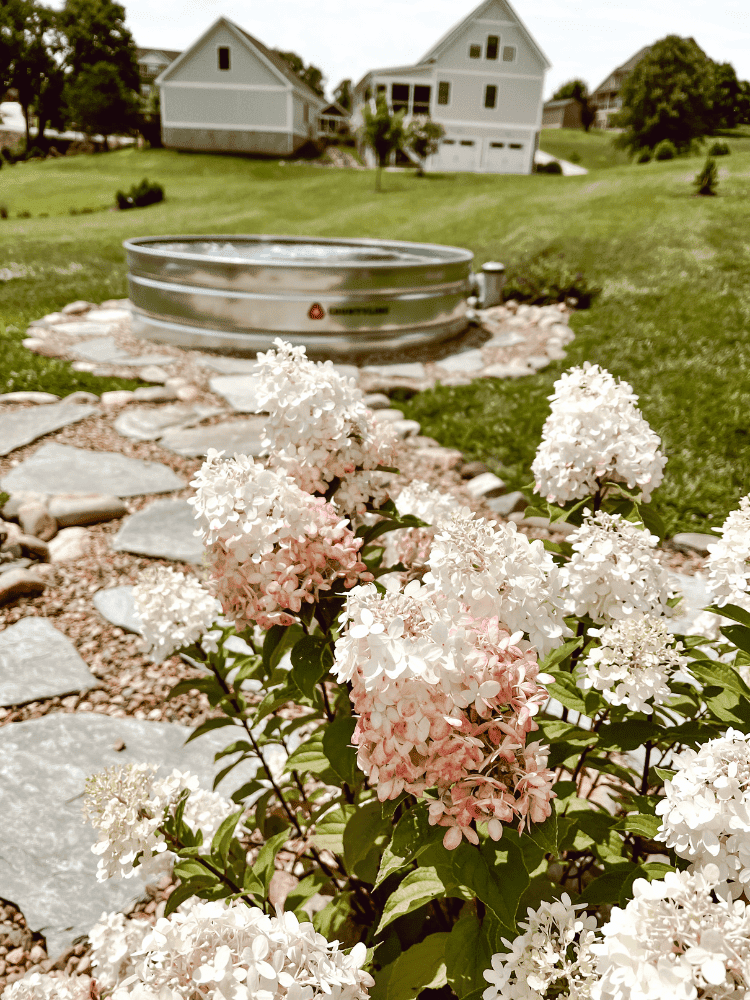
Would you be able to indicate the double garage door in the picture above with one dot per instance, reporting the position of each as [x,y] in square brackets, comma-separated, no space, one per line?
[482,155]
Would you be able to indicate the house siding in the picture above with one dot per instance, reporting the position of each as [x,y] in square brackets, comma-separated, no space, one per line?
[219,106]
[228,141]
[202,66]
[517,103]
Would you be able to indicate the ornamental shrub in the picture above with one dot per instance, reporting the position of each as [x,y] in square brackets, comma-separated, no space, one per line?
[447,824]
[707,179]
[140,195]
[666,150]
[547,277]
[553,167]
[644,156]
[719,149]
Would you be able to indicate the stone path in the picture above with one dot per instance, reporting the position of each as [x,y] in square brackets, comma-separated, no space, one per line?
[58,468]
[243,436]
[37,661]
[46,865]
[165,529]
[142,424]
[116,604]
[20,427]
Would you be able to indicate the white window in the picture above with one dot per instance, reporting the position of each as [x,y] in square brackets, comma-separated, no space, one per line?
[509,53]
[422,94]
[400,97]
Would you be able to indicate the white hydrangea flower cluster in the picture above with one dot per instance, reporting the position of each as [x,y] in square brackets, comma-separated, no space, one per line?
[127,805]
[706,808]
[728,567]
[675,940]
[271,546]
[115,944]
[553,954]
[445,701]
[210,951]
[595,434]
[633,662]
[613,572]
[175,611]
[319,428]
[50,986]
[411,546]
[497,572]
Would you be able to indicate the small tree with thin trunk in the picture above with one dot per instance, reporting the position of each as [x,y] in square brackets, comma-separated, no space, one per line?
[423,138]
[383,132]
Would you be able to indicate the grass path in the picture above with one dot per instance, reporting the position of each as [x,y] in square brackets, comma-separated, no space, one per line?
[672,318]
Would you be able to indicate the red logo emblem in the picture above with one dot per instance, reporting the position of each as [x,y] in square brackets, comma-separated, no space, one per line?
[316,311]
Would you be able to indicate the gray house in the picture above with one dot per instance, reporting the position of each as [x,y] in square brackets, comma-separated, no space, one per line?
[228,93]
[482,82]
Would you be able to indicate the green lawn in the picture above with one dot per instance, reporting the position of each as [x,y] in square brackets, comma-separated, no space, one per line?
[672,316]
[593,150]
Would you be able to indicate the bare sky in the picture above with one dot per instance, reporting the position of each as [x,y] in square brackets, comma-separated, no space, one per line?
[585,38]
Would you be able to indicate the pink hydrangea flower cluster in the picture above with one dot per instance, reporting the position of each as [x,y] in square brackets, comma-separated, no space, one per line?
[445,702]
[271,546]
[319,429]
[594,434]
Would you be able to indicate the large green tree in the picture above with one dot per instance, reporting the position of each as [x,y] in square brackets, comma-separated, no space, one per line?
[579,90]
[95,32]
[310,75]
[30,47]
[728,97]
[99,102]
[669,95]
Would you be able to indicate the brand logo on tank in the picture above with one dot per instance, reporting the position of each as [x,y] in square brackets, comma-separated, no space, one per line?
[316,311]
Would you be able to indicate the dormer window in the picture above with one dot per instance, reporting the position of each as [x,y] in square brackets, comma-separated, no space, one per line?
[509,53]
[493,44]
[475,51]
[490,96]
[224,60]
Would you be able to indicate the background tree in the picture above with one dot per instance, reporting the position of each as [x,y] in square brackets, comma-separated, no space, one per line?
[579,90]
[727,105]
[310,75]
[383,132]
[99,102]
[343,94]
[95,32]
[667,96]
[423,137]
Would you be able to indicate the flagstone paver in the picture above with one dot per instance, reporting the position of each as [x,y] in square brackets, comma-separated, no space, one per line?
[143,423]
[46,865]
[21,427]
[105,350]
[116,604]
[164,530]
[59,468]
[242,436]
[37,661]
[240,391]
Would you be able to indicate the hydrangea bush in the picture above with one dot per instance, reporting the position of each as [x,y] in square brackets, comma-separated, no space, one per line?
[483,765]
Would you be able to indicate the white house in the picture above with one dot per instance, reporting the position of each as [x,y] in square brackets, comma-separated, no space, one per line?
[228,93]
[482,82]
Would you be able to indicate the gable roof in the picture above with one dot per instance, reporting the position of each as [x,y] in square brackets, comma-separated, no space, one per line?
[334,108]
[560,102]
[483,8]
[626,67]
[169,54]
[279,65]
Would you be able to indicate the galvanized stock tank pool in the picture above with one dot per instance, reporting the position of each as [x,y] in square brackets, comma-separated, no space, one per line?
[237,293]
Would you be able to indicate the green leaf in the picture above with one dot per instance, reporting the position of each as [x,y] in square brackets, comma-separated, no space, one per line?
[421,967]
[207,727]
[186,890]
[334,918]
[304,890]
[544,835]
[277,641]
[467,955]
[651,520]
[418,888]
[559,654]
[223,836]
[265,863]
[739,635]
[566,691]
[411,837]
[311,660]
[329,832]
[507,880]
[365,837]
[627,735]
[337,746]
[310,758]
[732,611]
[640,823]
[205,684]
[665,773]
[607,887]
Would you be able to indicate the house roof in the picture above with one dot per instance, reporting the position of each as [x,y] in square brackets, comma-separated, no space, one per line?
[456,30]
[169,54]
[334,108]
[626,67]
[430,57]
[281,66]
[562,101]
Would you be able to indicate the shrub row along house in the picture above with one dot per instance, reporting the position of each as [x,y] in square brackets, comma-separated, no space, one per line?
[482,82]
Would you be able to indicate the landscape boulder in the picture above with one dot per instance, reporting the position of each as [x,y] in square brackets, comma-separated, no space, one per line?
[72,509]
